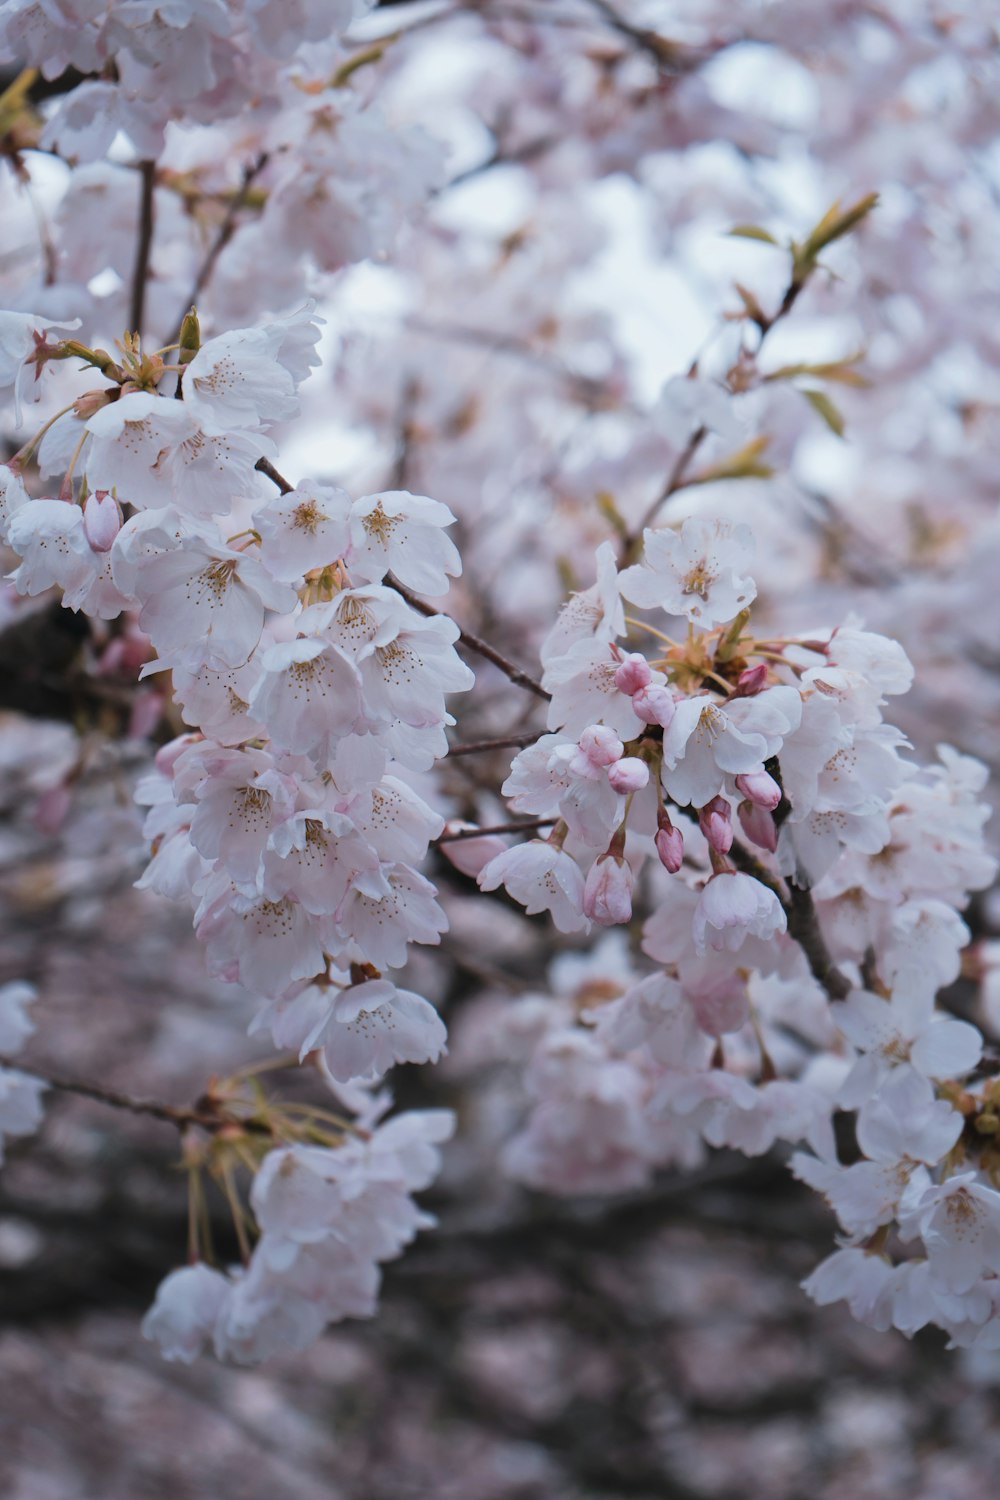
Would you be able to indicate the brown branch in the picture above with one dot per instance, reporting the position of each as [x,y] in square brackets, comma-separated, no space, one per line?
[803,922]
[140,273]
[803,926]
[224,234]
[481,833]
[470,641]
[670,57]
[584,388]
[170,1114]
[473,642]
[500,157]
[675,481]
[265,466]
[508,742]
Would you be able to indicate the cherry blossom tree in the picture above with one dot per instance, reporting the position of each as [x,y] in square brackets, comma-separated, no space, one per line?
[422,558]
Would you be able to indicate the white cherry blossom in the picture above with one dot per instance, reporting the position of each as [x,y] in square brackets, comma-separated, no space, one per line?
[402,533]
[542,878]
[695,572]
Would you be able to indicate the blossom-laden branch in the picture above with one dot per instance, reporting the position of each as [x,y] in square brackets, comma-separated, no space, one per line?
[472,642]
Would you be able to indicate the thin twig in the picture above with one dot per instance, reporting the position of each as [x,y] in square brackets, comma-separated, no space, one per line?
[474,643]
[675,481]
[499,157]
[470,641]
[170,1114]
[265,466]
[508,742]
[803,926]
[803,922]
[670,57]
[223,235]
[481,833]
[140,273]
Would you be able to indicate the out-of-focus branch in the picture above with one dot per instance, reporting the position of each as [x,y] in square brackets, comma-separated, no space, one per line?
[223,235]
[507,742]
[140,273]
[675,481]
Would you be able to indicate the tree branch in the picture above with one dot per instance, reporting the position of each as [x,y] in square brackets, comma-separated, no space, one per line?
[470,641]
[140,273]
[224,234]
[474,643]
[481,833]
[675,481]
[803,923]
[170,1114]
[508,742]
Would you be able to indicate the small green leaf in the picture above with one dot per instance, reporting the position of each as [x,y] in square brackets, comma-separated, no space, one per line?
[840,370]
[745,463]
[609,510]
[821,403]
[751,232]
[833,226]
[754,310]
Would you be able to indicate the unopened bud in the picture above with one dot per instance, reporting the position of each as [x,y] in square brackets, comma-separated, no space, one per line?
[102,520]
[758,825]
[716,822]
[633,674]
[669,844]
[751,681]
[629,774]
[190,337]
[760,788]
[601,745]
[654,705]
[91,401]
[607,891]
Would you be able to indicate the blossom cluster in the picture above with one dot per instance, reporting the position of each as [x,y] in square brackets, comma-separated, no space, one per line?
[746,778]
[327,1219]
[313,689]
[733,787]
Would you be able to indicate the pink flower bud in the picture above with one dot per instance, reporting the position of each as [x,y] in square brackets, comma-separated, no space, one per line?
[760,788]
[654,705]
[633,674]
[758,825]
[669,844]
[601,745]
[607,891]
[102,520]
[751,681]
[629,774]
[471,855]
[716,823]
